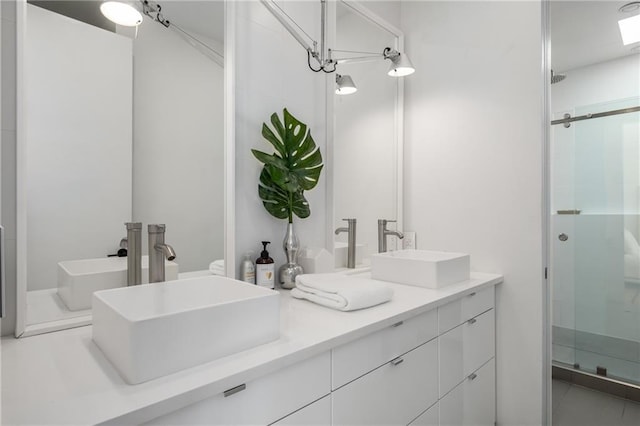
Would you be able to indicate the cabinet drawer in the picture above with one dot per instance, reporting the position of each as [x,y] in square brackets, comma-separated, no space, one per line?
[318,413]
[263,401]
[465,348]
[428,418]
[354,359]
[472,402]
[393,394]
[455,313]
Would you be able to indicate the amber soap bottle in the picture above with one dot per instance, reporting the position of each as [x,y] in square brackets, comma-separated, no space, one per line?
[265,268]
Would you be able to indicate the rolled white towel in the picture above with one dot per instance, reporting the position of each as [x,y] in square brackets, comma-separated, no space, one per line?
[217,267]
[341,292]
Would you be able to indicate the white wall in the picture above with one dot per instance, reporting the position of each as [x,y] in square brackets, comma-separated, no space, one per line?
[473,175]
[389,10]
[271,74]
[178,161]
[364,147]
[78,142]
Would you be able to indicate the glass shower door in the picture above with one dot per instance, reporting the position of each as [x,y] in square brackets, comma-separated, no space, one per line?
[605,230]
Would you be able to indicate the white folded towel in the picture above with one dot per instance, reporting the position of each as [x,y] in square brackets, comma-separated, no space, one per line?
[341,292]
[217,267]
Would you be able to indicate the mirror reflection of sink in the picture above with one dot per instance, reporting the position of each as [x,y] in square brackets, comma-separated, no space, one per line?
[422,268]
[78,279]
[149,331]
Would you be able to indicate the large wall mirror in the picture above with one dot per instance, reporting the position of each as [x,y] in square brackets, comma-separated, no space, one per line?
[117,124]
[367,136]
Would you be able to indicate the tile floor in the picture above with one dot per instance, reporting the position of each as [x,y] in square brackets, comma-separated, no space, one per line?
[574,405]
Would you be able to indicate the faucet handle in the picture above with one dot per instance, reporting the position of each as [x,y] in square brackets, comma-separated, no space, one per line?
[384,222]
[350,220]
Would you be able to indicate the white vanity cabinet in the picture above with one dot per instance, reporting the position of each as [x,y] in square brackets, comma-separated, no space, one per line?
[265,400]
[393,394]
[317,413]
[431,417]
[435,368]
[466,347]
[473,401]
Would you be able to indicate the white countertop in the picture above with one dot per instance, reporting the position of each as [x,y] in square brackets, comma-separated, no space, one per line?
[63,378]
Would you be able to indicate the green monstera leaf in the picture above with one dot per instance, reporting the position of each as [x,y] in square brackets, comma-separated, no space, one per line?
[295,167]
[279,202]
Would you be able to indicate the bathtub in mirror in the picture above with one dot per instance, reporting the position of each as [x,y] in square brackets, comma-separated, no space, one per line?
[116,124]
[367,132]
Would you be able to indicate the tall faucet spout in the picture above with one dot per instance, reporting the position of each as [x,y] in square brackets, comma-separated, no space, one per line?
[351,241]
[158,252]
[134,252]
[383,232]
[168,251]
[396,233]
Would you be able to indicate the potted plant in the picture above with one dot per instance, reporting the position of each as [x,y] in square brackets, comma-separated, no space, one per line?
[293,168]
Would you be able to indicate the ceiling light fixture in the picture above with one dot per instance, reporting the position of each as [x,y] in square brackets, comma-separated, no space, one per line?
[630,7]
[322,59]
[400,63]
[121,13]
[630,30]
[345,85]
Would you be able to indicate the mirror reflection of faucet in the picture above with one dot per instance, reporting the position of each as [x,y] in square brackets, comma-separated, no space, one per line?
[383,232]
[351,248]
[158,251]
[134,253]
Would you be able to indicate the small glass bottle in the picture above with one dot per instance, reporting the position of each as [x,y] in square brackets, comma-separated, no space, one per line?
[248,269]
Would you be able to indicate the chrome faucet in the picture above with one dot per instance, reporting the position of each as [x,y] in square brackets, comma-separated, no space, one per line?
[383,232]
[134,252]
[158,252]
[351,247]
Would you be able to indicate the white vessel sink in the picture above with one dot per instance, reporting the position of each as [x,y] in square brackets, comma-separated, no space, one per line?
[78,279]
[152,330]
[422,268]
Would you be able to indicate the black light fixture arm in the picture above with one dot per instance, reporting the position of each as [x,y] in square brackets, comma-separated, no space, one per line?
[154,11]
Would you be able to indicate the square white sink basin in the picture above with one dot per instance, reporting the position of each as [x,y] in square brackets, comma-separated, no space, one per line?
[422,268]
[152,330]
[78,279]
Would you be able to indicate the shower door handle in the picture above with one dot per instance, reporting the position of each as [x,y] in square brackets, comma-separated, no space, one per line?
[563,237]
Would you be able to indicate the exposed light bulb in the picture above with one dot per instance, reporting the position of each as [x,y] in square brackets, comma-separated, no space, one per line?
[121,13]
[345,84]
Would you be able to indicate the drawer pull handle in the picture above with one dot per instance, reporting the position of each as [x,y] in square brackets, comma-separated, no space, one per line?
[472,321]
[398,324]
[237,389]
[472,376]
[397,361]
[472,294]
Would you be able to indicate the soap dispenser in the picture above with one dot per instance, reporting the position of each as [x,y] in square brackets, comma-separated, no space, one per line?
[265,268]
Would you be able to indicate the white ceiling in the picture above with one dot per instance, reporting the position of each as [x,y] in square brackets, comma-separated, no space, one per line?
[586,32]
